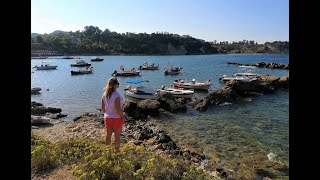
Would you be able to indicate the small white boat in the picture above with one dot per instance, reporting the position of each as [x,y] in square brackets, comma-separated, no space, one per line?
[178,92]
[45,66]
[244,66]
[140,92]
[249,74]
[123,72]
[147,66]
[240,77]
[80,63]
[82,71]
[192,84]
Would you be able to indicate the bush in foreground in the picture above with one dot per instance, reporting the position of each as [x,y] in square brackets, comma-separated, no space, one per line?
[94,160]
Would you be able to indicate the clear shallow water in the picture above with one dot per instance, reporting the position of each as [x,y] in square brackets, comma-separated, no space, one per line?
[256,126]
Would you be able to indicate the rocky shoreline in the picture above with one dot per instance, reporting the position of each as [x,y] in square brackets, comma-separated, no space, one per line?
[264,65]
[136,131]
[232,91]
[141,131]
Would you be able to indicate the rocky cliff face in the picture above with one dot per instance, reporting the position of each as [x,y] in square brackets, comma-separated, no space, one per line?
[180,50]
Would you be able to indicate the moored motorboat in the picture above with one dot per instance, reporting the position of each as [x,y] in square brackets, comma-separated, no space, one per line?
[123,72]
[240,77]
[82,71]
[97,59]
[192,84]
[147,66]
[249,74]
[80,63]
[45,66]
[246,66]
[178,92]
[140,92]
[172,70]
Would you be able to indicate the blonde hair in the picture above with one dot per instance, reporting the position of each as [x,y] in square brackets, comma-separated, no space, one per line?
[109,88]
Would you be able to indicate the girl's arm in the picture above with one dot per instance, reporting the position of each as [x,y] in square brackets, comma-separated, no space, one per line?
[103,106]
[118,107]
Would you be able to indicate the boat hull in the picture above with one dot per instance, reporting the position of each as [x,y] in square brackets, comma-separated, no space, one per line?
[171,72]
[180,94]
[45,67]
[80,65]
[80,72]
[136,73]
[150,68]
[140,96]
[225,79]
[192,86]
[97,59]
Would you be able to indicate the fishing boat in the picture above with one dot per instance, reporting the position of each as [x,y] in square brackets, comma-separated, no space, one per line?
[246,66]
[96,59]
[125,72]
[178,92]
[240,77]
[172,70]
[140,92]
[148,66]
[82,71]
[45,66]
[181,83]
[80,63]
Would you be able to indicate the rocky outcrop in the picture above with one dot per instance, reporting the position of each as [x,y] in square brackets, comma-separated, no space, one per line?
[234,89]
[149,107]
[142,109]
[223,95]
[264,65]
[145,108]
[170,103]
[39,109]
[155,139]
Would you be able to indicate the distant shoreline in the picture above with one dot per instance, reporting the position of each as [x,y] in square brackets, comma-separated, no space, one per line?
[38,57]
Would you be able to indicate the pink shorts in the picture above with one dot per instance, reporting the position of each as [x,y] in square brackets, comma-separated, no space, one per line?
[111,123]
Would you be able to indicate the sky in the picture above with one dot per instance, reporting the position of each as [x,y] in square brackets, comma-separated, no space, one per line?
[210,20]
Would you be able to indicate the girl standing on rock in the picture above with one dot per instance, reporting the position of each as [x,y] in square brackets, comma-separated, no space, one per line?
[111,106]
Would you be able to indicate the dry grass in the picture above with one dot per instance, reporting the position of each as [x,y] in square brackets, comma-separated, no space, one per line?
[57,174]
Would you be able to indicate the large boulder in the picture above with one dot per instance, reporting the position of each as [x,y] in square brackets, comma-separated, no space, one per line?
[149,107]
[170,103]
[35,104]
[44,110]
[223,95]
[132,110]
[142,109]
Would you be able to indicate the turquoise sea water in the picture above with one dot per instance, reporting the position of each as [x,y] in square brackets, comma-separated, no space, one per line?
[247,129]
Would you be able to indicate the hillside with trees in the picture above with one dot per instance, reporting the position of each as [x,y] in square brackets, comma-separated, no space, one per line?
[92,40]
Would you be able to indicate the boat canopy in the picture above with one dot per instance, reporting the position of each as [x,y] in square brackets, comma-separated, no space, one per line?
[136,81]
